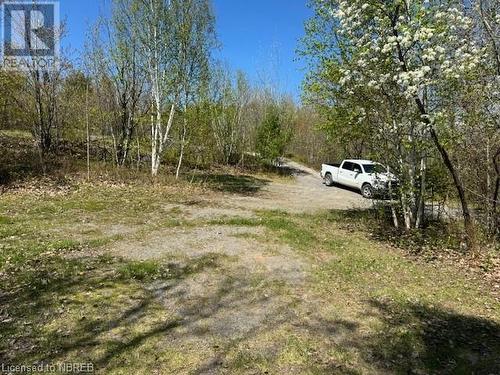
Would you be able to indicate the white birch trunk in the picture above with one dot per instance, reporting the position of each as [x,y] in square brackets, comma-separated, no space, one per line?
[181,156]
[489,211]
[394,213]
[88,130]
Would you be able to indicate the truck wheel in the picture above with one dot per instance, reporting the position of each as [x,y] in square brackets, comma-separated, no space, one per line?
[328,179]
[367,191]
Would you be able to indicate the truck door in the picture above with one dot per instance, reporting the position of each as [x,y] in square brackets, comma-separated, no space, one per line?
[357,172]
[346,174]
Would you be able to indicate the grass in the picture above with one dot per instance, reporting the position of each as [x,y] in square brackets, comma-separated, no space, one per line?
[362,307]
[237,221]
[141,270]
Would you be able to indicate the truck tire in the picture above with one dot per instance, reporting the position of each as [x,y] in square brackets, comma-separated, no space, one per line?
[328,179]
[367,191]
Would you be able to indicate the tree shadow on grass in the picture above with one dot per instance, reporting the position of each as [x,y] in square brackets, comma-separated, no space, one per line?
[130,318]
[91,312]
[235,184]
[284,170]
[18,159]
[422,339]
[378,222]
[52,291]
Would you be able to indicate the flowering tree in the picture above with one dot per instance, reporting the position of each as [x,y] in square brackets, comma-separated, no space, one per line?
[400,61]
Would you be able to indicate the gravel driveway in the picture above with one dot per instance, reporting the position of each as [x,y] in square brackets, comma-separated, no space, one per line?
[306,193]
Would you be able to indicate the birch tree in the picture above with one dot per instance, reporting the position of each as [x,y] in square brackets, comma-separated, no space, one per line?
[488,26]
[192,39]
[152,26]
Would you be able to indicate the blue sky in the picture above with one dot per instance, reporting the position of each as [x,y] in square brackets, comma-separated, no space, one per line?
[257,36]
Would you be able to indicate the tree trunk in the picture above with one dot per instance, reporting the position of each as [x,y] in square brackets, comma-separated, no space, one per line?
[421,200]
[406,210]
[159,139]
[495,198]
[404,195]
[88,130]
[183,142]
[394,213]
[138,153]
[468,222]
[155,153]
[470,231]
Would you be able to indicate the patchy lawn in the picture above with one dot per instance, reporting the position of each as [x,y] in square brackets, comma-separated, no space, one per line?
[233,290]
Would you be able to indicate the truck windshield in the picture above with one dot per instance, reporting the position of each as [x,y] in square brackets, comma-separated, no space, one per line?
[374,168]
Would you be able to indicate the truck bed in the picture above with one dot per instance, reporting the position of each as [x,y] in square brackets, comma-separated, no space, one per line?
[336,165]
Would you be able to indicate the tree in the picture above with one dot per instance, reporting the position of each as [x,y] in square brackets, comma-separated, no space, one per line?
[151,25]
[230,99]
[488,30]
[192,40]
[411,53]
[11,88]
[175,44]
[272,135]
[113,57]
[41,99]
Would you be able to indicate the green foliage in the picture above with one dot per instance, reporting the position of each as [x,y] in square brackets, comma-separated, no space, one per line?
[272,135]
[406,86]
[288,229]
[12,85]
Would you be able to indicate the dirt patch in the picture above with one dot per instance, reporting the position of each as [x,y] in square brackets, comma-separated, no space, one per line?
[259,284]
[279,261]
[208,210]
[305,192]
[215,305]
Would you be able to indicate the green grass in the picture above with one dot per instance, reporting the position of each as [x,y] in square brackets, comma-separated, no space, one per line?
[400,315]
[4,220]
[19,134]
[288,229]
[408,299]
[237,221]
[140,270]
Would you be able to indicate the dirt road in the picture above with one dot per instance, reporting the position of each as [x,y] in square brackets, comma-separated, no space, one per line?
[227,273]
[306,193]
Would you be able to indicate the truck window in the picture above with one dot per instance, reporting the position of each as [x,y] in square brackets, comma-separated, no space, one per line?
[347,166]
[357,167]
[374,168]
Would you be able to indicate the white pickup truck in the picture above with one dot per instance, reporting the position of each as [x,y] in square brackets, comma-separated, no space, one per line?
[369,177]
